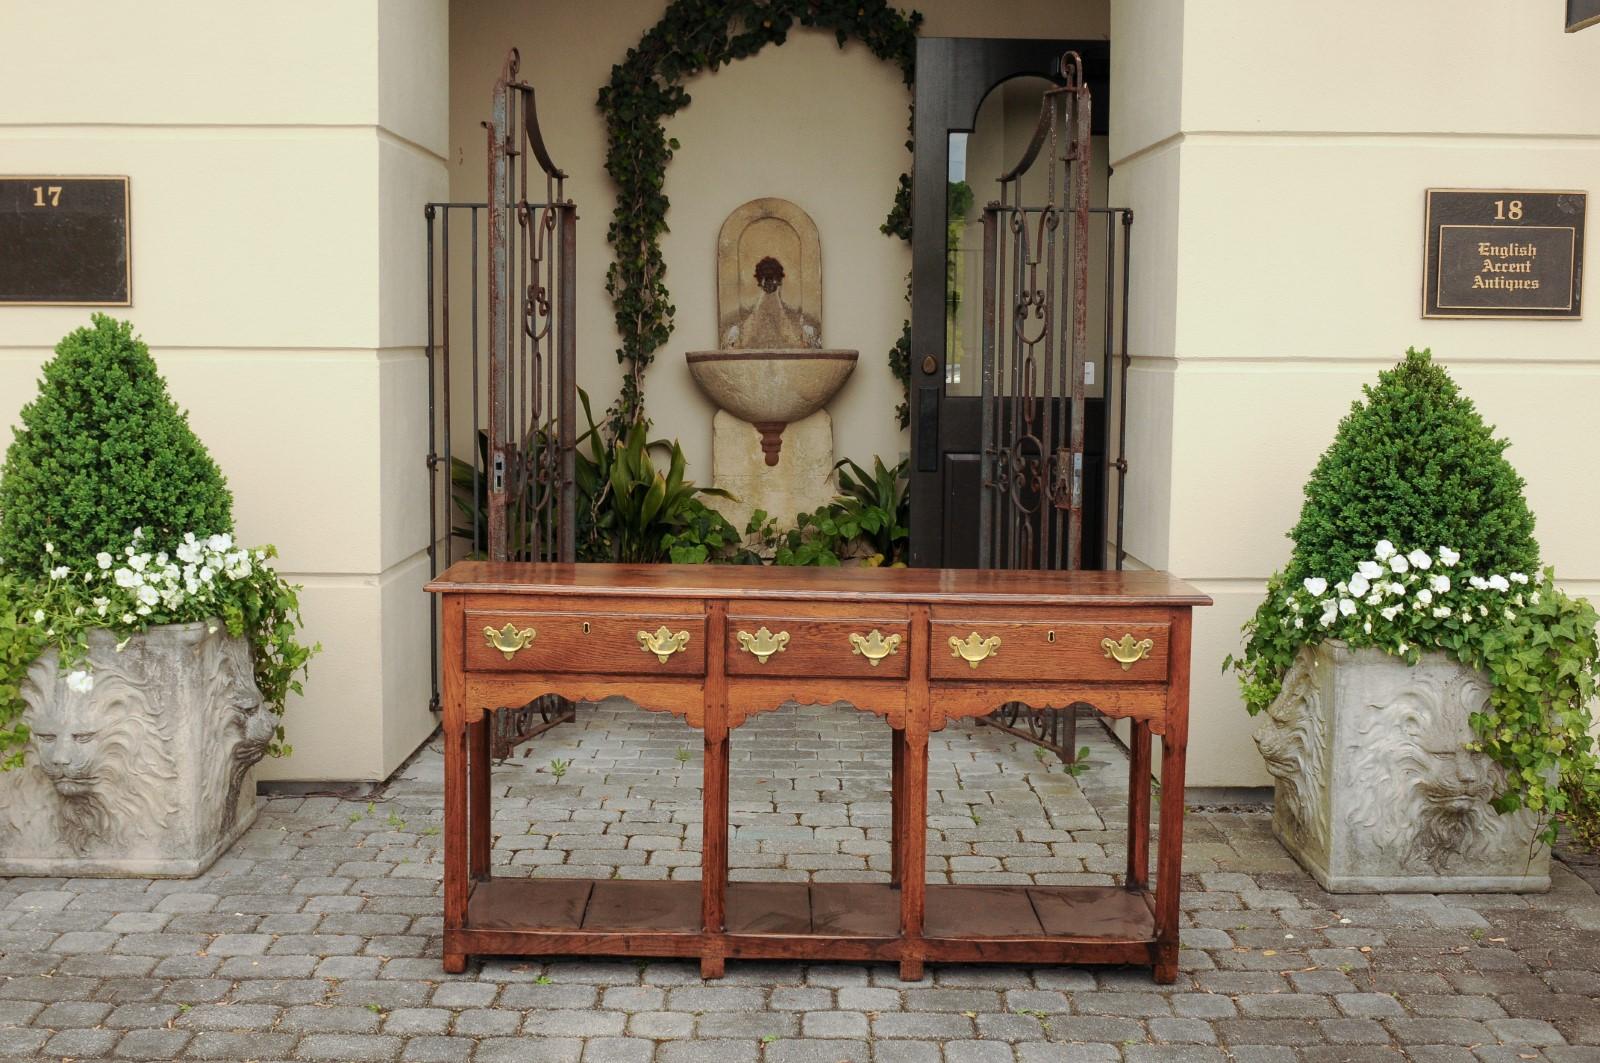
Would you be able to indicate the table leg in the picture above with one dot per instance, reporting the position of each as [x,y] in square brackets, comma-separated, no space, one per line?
[1169,857]
[1139,807]
[897,812]
[914,801]
[478,810]
[455,784]
[714,799]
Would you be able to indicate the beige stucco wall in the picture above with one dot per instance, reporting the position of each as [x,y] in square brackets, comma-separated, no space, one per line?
[1276,157]
[808,121]
[279,157]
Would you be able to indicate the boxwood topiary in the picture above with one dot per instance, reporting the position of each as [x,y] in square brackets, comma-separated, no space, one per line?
[101,451]
[1414,464]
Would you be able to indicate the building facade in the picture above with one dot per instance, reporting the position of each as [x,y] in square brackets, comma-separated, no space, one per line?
[1275,155]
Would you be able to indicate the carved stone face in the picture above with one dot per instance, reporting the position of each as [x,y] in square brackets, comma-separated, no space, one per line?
[242,725]
[101,750]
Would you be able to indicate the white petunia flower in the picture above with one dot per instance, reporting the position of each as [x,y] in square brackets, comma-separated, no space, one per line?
[1440,583]
[1425,596]
[1346,606]
[59,572]
[80,681]
[1367,627]
[49,548]
[148,595]
[1299,622]
[1391,612]
[1370,569]
[1359,586]
[1398,564]
[1384,550]
[38,616]
[1420,560]
[1478,583]
[1396,588]
[1330,609]
[103,559]
[1518,577]
[1316,586]
[1533,598]
[138,562]
[1448,557]
[1441,612]
[220,543]
[127,618]
[1498,582]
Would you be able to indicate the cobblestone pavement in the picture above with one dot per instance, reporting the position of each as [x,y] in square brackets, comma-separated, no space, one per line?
[317,937]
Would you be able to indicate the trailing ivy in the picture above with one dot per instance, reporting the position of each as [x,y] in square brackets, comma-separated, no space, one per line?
[646,88]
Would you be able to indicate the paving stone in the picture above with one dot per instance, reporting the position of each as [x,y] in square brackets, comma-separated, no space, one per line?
[348,1047]
[153,1044]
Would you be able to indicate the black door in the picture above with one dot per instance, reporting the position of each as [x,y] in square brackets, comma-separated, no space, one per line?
[964,87]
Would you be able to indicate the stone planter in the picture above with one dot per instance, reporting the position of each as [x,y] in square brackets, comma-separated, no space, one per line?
[150,773]
[1376,791]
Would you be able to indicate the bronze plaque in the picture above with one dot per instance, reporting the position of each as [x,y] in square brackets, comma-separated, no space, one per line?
[1503,253]
[64,241]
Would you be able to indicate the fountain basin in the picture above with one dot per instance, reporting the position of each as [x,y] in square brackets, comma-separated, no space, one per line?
[771,388]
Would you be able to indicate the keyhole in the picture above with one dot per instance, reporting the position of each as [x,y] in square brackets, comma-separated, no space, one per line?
[1050,636]
[586,627]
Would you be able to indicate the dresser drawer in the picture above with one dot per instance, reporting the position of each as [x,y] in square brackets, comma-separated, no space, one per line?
[607,643]
[816,640]
[1100,651]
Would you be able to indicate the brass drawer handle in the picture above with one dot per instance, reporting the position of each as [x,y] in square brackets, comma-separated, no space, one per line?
[974,647]
[663,643]
[763,643]
[508,640]
[1125,651]
[876,646]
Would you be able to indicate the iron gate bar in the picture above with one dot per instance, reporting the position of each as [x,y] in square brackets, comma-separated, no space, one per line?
[521,502]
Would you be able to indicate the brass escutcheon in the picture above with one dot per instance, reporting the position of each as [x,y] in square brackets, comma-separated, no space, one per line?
[763,643]
[1125,651]
[974,647]
[662,642]
[509,639]
[876,646]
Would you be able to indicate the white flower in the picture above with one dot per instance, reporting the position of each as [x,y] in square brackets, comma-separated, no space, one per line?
[127,618]
[126,577]
[1425,596]
[1533,598]
[49,548]
[1391,612]
[1478,583]
[207,573]
[1519,577]
[1330,609]
[1399,564]
[220,543]
[1448,557]
[1498,582]
[80,681]
[143,610]
[1396,588]
[1510,615]
[1299,622]
[1483,610]
[1367,627]
[103,559]
[138,562]
[1316,586]
[1370,569]
[1420,560]
[1346,606]
[148,595]
[1384,550]
[190,551]
[1441,612]
[1359,586]
[59,572]
[1440,583]
[38,616]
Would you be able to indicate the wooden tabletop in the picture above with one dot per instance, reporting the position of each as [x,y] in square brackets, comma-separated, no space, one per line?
[931,585]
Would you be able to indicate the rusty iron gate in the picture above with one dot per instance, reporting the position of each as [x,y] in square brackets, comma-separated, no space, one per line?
[511,495]
[1035,410]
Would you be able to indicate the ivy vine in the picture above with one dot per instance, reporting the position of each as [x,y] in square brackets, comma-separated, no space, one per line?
[646,88]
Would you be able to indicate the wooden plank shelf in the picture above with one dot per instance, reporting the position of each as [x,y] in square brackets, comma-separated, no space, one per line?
[943,645]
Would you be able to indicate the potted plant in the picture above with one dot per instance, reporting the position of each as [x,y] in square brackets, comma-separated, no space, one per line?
[145,657]
[1426,688]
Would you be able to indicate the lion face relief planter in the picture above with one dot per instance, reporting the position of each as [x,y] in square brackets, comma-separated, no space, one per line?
[148,773]
[1376,790]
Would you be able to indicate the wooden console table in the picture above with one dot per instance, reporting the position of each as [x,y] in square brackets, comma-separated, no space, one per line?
[719,644]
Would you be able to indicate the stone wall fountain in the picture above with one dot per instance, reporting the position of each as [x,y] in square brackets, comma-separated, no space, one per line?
[772,441]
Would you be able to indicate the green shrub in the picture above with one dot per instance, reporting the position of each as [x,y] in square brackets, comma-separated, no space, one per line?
[1416,465]
[101,451]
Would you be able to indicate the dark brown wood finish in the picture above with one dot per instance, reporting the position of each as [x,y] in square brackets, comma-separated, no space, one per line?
[586,620]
